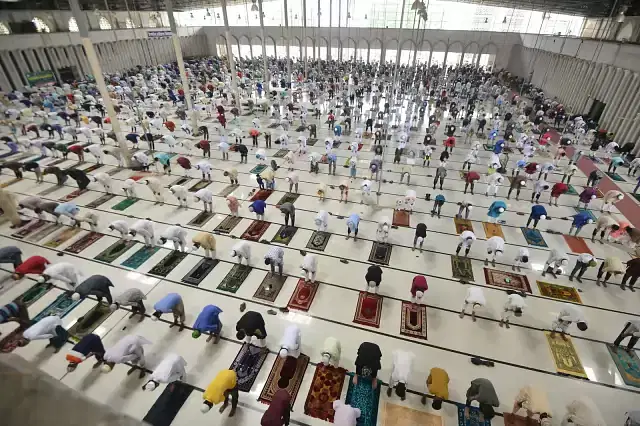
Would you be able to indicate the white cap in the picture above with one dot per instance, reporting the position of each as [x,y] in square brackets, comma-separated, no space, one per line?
[113,307]
[419,294]
[593,196]
[590,221]
[205,408]
[501,209]
[106,368]
[469,207]
[154,318]
[543,216]
[75,296]
[523,183]
[151,385]
[41,279]
[620,196]
[420,240]
[372,284]
[283,353]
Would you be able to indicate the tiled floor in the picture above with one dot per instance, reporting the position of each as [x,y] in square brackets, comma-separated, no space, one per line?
[521,353]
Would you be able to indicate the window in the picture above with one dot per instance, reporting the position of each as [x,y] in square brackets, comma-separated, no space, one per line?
[129,23]
[104,23]
[4,30]
[73,25]
[41,27]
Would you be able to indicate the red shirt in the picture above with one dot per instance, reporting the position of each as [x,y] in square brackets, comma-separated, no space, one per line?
[203,144]
[531,168]
[170,125]
[450,141]
[181,92]
[419,284]
[559,189]
[33,265]
[76,149]
[184,162]
[472,177]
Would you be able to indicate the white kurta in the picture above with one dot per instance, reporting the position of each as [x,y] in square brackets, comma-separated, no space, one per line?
[65,272]
[332,349]
[475,296]
[310,262]
[170,369]
[242,249]
[292,341]
[401,369]
[43,329]
[128,349]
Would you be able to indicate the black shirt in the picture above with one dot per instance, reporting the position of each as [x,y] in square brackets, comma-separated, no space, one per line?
[421,230]
[374,273]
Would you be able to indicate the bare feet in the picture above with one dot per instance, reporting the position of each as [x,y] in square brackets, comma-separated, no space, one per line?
[355,379]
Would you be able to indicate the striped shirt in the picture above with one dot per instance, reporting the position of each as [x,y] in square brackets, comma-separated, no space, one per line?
[8,311]
[275,254]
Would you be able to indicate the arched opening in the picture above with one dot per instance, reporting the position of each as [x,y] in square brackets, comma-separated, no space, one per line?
[391,51]
[104,23]
[256,47]
[41,26]
[375,50]
[363,50]
[406,52]
[73,25]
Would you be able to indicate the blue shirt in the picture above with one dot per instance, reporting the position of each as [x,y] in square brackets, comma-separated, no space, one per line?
[353,221]
[167,303]
[494,208]
[163,158]
[258,206]
[89,343]
[521,164]
[67,208]
[581,219]
[208,320]
[332,157]
[617,161]
[537,211]
[440,198]
[497,148]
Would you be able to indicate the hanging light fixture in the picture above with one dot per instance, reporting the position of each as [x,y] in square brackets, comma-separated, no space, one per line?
[218,15]
[254,7]
[295,16]
[504,20]
[621,16]
[415,5]
[191,14]
[486,20]
[208,13]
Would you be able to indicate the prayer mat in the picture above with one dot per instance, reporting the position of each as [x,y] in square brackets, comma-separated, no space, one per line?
[560,292]
[628,364]
[301,128]
[397,415]
[168,264]
[636,196]
[10,182]
[507,280]
[533,237]
[488,147]
[413,320]
[364,397]
[49,190]
[326,387]
[287,373]
[318,240]
[78,164]
[30,296]
[63,237]
[12,341]
[228,190]
[262,194]
[258,169]
[281,153]
[255,231]
[42,233]
[289,197]
[166,407]
[461,268]
[200,271]
[125,204]
[84,242]
[368,309]
[380,253]
[616,177]
[577,245]
[234,279]
[514,420]
[311,141]
[227,224]
[565,355]
[273,125]
[336,144]
[247,365]
[116,250]
[401,218]
[29,228]
[73,195]
[462,225]
[303,295]
[181,181]
[59,307]
[202,218]
[572,190]
[99,201]
[270,287]
[202,183]
[92,168]
[589,212]
[87,323]
[474,417]
[284,235]
[599,193]
[138,258]
[492,230]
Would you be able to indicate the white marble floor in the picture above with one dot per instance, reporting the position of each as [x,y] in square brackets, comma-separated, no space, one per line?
[521,353]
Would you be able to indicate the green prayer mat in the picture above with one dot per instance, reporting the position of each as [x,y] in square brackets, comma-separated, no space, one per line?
[284,234]
[59,307]
[616,177]
[636,196]
[533,237]
[461,267]
[30,296]
[289,197]
[63,237]
[87,323]
[318,240]
[281,153]
[589,212]
[572,190]
[167,264]
[234,279]
[628,364]
[116,250]
[270,287]
[364,397]
[474,417]
[138,258]
[258,169]
[202,183]
[125,204]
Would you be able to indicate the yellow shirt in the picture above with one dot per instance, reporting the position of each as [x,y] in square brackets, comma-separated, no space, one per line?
[206,240]
[224,381]
[438,383]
